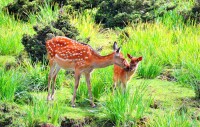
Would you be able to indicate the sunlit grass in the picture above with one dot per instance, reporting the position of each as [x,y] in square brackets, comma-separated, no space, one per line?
[163,45]
[45,16]
[12,29]
[11,34]
[9,82]
[124,109]
[41,111]
[166,44]
[4,3]
[87,28]
[172,119]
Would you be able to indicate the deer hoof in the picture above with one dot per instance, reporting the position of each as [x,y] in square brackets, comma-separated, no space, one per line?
[49,98]
[52,97]
[94,106]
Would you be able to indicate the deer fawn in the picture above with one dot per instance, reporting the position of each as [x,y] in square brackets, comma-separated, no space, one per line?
[122,75]
[69,54]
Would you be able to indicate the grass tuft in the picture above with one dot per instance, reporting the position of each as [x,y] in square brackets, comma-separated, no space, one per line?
[125,109]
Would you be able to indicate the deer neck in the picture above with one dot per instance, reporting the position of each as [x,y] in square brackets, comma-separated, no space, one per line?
[103,61]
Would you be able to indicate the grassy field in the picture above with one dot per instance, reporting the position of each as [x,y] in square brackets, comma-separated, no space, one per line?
[165,91]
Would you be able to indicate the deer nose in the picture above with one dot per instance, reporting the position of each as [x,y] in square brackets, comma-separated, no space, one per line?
[127,68]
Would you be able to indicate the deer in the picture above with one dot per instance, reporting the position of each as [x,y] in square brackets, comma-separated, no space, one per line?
[122,76]
[68,54]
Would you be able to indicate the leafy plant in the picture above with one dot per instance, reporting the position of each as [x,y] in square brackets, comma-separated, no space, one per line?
[118,13]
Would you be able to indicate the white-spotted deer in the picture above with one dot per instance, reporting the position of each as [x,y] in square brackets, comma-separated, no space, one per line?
[122,75]
[69,54]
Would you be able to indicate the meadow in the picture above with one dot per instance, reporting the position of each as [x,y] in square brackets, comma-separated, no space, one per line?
[164,92]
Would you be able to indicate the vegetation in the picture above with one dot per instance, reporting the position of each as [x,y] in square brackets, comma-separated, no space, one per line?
[125,109]
[35,45]
[118,13]
[169,46]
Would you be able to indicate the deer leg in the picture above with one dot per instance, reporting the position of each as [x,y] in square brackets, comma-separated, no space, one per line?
[52,67]
[77,78]
[114,86]
[57,69]
[123,87]
[87,77]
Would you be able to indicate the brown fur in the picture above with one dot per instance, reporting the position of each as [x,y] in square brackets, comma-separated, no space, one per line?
[122,75]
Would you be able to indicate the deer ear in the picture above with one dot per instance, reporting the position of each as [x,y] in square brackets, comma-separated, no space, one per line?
[129,56]
[115,45]
[118,51]
[139,59]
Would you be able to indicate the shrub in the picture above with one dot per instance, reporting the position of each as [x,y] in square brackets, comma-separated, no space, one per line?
[82,4]
[192,14]
[22,8]
[118,13]
[35,45]
[10,115]
[23,97]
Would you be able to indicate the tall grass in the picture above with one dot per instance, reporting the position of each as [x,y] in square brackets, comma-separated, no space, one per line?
[100,86]
[11,34]
[85,23]
[172,119]
[12,29]
[4,3]
[42,112]
[9,83]
[125,109]
[165,44]
[36,77]
[45,16]
[168,43]
[190,74]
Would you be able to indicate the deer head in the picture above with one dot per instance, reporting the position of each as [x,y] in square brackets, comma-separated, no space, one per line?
[118,58]
[134,62]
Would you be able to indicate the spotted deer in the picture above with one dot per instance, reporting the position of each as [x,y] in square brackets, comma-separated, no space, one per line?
[122,75]
[66,53]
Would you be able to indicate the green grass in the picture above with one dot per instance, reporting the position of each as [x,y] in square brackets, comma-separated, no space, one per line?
[11,34]
[45,16]
[9,82]
[41,111]
[121,109]
[166,44]
[172,119]
[125,109]
[86,26]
